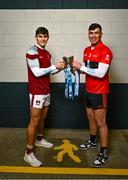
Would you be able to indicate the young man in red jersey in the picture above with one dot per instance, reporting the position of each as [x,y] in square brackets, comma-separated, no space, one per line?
[97,60]
[39,70]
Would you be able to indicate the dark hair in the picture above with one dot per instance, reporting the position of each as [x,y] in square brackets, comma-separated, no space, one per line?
[94,26]
[42,30]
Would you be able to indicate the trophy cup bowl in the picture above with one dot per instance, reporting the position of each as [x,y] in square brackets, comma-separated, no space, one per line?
[69,61]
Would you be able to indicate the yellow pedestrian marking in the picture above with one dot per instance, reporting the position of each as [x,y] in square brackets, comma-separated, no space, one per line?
[67,148]
[60,170]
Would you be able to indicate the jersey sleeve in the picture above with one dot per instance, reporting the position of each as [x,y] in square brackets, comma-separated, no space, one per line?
[99,72]
[33,63]
[106,56]
[31,54]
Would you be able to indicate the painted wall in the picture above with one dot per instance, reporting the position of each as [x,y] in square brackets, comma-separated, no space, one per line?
[68,36]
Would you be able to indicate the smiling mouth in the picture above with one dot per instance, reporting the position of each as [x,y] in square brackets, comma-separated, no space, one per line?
[93,40]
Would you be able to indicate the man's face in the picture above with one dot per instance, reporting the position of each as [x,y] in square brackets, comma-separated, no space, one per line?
[95,36]
[42,39]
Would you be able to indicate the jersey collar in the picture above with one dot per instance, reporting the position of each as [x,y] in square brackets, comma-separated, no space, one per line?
[98,45]
[39,47]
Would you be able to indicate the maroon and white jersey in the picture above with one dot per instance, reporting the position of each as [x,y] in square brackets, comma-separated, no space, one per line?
[41,58]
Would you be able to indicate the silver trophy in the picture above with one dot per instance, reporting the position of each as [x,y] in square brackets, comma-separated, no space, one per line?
[69,61]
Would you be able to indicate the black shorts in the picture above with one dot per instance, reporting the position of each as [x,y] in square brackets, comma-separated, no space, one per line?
[95,101]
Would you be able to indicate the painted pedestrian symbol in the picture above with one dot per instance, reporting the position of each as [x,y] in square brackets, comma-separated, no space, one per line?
[67,148]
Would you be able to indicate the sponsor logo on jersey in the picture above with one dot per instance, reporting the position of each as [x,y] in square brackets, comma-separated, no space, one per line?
[94,55]
[40,57]
[107,57]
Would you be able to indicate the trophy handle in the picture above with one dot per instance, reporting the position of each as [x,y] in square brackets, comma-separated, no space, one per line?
[71,58]
[65,60]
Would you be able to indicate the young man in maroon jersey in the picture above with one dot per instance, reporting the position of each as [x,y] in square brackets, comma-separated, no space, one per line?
[97,60]
[39,70]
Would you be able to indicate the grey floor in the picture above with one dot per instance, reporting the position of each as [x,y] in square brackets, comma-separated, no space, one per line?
[13,144]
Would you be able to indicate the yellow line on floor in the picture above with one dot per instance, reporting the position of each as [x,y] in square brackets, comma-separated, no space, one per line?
[63,170]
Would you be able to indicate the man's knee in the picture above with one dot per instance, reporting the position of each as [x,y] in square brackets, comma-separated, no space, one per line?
[101,124]
[90,115]
[34,121]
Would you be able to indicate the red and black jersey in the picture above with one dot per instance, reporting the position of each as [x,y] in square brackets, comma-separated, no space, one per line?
[39,85]
[92,58]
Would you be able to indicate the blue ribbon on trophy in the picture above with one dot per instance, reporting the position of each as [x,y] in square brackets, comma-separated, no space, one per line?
[70,92]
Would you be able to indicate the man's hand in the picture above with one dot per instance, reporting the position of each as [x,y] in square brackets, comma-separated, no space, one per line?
[60,65]
[76,64]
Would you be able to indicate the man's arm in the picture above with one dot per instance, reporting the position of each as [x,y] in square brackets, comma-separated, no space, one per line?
[37,71]
[99,72]
[55,71]
[63,66]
